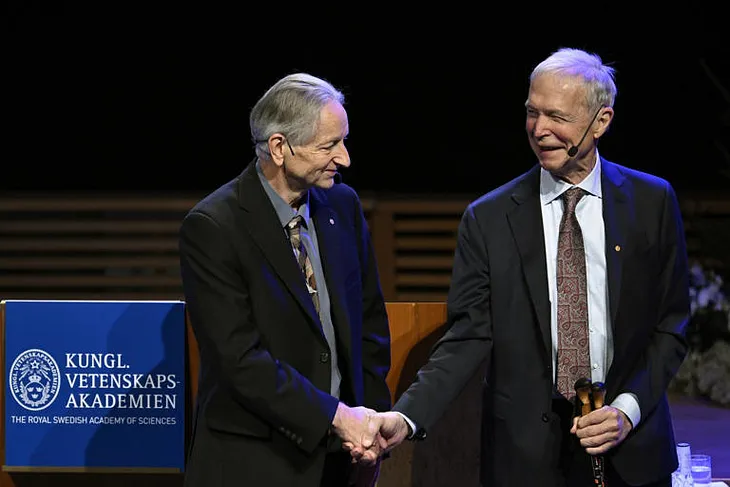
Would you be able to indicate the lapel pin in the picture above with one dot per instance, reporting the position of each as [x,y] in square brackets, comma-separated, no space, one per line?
[618,248]
[332,221]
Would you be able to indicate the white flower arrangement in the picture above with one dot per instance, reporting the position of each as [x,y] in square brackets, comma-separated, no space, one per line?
[706,369]
[706,290]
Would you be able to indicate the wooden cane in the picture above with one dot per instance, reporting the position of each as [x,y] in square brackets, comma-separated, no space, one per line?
[582,397]
[598,394]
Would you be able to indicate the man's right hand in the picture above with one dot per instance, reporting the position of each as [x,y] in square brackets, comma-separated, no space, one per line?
[355,426]
[386,431]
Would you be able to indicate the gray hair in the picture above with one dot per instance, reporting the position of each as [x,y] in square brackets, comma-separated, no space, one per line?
[291,107]
[598,78]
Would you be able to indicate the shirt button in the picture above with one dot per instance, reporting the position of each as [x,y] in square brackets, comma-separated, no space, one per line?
[595,366]
[324,357]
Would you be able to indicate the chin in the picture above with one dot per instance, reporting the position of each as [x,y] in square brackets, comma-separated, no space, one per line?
[325,183]
[551,163]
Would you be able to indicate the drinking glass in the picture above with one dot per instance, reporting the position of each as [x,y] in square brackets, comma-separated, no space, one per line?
[701,467]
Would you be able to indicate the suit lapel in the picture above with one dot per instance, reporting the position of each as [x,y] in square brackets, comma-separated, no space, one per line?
[616,218]
[524,219]
[263,225]
[328,229]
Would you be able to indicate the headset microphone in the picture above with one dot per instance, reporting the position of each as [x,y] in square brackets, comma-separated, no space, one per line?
[574,149]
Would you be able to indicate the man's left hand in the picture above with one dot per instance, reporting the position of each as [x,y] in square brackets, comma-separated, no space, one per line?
[602,429]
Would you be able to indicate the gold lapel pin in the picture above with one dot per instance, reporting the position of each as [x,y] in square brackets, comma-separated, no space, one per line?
[332,221]
[618,248]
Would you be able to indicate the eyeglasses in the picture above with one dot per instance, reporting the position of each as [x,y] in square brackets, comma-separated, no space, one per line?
[285,138]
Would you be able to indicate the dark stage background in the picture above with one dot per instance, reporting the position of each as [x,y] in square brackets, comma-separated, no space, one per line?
[163,105]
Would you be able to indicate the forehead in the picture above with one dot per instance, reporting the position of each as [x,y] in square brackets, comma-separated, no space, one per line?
[565,93]
[333,121]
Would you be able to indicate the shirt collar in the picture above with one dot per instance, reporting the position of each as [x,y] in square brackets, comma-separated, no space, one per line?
[552,187]
[282,208]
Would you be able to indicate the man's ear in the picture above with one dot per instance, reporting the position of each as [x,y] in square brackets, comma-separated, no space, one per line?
[277,143]
[603,121]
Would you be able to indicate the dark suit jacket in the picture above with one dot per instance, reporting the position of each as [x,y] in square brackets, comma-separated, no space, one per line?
[262,414]
[499,311]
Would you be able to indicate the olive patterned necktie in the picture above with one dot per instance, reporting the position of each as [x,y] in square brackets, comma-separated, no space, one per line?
[305,264]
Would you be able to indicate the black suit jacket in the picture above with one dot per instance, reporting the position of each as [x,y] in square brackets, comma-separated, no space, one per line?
[499,311]
[263,409]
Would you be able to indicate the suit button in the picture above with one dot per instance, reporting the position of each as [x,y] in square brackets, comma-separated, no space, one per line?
[545,418]
[324,357]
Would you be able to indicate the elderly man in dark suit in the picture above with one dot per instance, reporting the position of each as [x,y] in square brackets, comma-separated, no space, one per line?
[283,295]
[575,270]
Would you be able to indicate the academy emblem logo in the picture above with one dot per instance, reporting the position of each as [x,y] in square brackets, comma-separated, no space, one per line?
[34,380]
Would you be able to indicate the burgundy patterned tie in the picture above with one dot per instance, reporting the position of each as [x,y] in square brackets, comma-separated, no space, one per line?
[295,236]
[573,350]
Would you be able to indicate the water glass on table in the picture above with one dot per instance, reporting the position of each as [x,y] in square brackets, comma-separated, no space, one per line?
[701,467]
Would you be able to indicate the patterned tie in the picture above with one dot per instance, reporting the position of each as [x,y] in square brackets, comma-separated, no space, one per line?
[295,236]
[573,350]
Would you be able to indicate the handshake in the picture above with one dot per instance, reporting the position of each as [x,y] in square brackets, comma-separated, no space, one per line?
[367,434]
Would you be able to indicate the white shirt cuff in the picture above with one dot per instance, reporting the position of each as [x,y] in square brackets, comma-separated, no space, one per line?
[410,423]
[629,404]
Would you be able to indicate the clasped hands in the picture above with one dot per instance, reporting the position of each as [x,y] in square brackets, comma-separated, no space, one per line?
[367,434]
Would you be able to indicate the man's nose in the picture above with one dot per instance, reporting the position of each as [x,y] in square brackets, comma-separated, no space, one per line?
[341,156]
[541,127]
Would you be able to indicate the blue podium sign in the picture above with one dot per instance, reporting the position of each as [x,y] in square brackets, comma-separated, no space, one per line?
[94,385]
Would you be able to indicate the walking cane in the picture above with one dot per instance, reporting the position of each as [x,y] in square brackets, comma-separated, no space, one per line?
[582,397]
[598,393]
[589,397]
